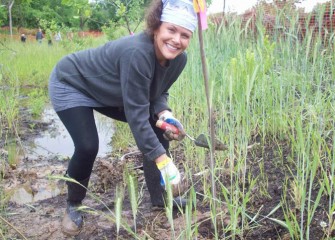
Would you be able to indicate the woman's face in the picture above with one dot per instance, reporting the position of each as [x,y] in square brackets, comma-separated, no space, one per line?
[170,40]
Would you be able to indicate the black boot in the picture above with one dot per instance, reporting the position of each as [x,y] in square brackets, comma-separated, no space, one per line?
[157,192]
[178,203]
[73,220]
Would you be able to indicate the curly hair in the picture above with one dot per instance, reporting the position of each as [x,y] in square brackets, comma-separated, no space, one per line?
[153,16]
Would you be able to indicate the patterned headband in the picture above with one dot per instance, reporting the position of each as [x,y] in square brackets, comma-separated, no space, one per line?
[180,12]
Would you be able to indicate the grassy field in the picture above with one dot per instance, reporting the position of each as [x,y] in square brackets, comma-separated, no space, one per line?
[273,99]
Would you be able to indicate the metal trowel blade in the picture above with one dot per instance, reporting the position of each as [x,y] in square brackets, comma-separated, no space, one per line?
[202,141]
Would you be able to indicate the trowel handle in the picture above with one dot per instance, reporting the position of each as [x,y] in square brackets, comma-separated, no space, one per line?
[166,126]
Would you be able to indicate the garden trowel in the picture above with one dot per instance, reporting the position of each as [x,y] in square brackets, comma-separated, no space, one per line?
[201,141]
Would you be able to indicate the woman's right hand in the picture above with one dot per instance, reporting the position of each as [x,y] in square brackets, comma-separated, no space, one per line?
[169,134]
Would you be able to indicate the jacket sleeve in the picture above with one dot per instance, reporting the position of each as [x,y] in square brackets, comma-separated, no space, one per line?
[160,105]
[136,73]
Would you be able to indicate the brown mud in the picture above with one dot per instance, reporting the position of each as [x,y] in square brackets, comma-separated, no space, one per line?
[40,216]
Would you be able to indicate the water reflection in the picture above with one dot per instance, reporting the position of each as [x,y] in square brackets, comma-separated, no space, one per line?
[24,194]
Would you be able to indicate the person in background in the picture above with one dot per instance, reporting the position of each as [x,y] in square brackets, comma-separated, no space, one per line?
[39,36]
[58,37]
[127,80]
[23,38]
[69,35]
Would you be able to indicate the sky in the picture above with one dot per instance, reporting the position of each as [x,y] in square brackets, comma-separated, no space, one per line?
[240,6]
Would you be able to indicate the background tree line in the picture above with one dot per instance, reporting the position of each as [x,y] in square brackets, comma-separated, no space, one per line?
[73,14]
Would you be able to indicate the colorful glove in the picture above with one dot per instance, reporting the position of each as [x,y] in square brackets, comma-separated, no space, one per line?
[168,117]
[169,172]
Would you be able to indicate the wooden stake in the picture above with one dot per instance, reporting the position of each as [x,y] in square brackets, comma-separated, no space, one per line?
[209,107]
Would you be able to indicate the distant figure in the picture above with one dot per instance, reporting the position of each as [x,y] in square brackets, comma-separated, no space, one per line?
[23,38]
[39,36]
[58,37]
[69,36]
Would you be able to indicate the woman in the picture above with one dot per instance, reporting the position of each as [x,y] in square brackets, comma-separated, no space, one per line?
[127,80]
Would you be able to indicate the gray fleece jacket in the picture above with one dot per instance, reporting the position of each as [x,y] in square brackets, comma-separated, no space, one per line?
[125,73]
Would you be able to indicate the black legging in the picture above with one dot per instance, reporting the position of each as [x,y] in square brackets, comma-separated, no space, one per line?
[80,123]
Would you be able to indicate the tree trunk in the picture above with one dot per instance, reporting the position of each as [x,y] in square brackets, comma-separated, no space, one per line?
[10,17]
[81,24]
[224,7]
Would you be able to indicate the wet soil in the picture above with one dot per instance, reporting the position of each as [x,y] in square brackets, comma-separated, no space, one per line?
[40,216]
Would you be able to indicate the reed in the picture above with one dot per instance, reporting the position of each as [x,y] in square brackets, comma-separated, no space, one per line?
[273,86]
[119,195]
[133,195]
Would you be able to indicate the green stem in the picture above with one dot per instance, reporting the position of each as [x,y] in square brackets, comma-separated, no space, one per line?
[9,224]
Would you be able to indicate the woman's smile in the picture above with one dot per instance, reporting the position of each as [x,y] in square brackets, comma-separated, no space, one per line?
[170,40]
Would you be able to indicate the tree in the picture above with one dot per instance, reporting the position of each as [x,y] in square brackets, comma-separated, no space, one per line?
[129,12]
[101,15]
[224,7]
[10,5]
[83,8]
[3,14]
[28,13]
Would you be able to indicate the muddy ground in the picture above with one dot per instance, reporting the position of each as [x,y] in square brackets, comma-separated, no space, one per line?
[41,219]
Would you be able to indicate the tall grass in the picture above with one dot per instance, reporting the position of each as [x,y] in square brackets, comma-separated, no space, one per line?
[277,88]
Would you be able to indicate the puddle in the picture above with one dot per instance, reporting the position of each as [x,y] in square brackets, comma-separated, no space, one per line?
[34,184]
[24,194]
[57,141]
[45,156]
